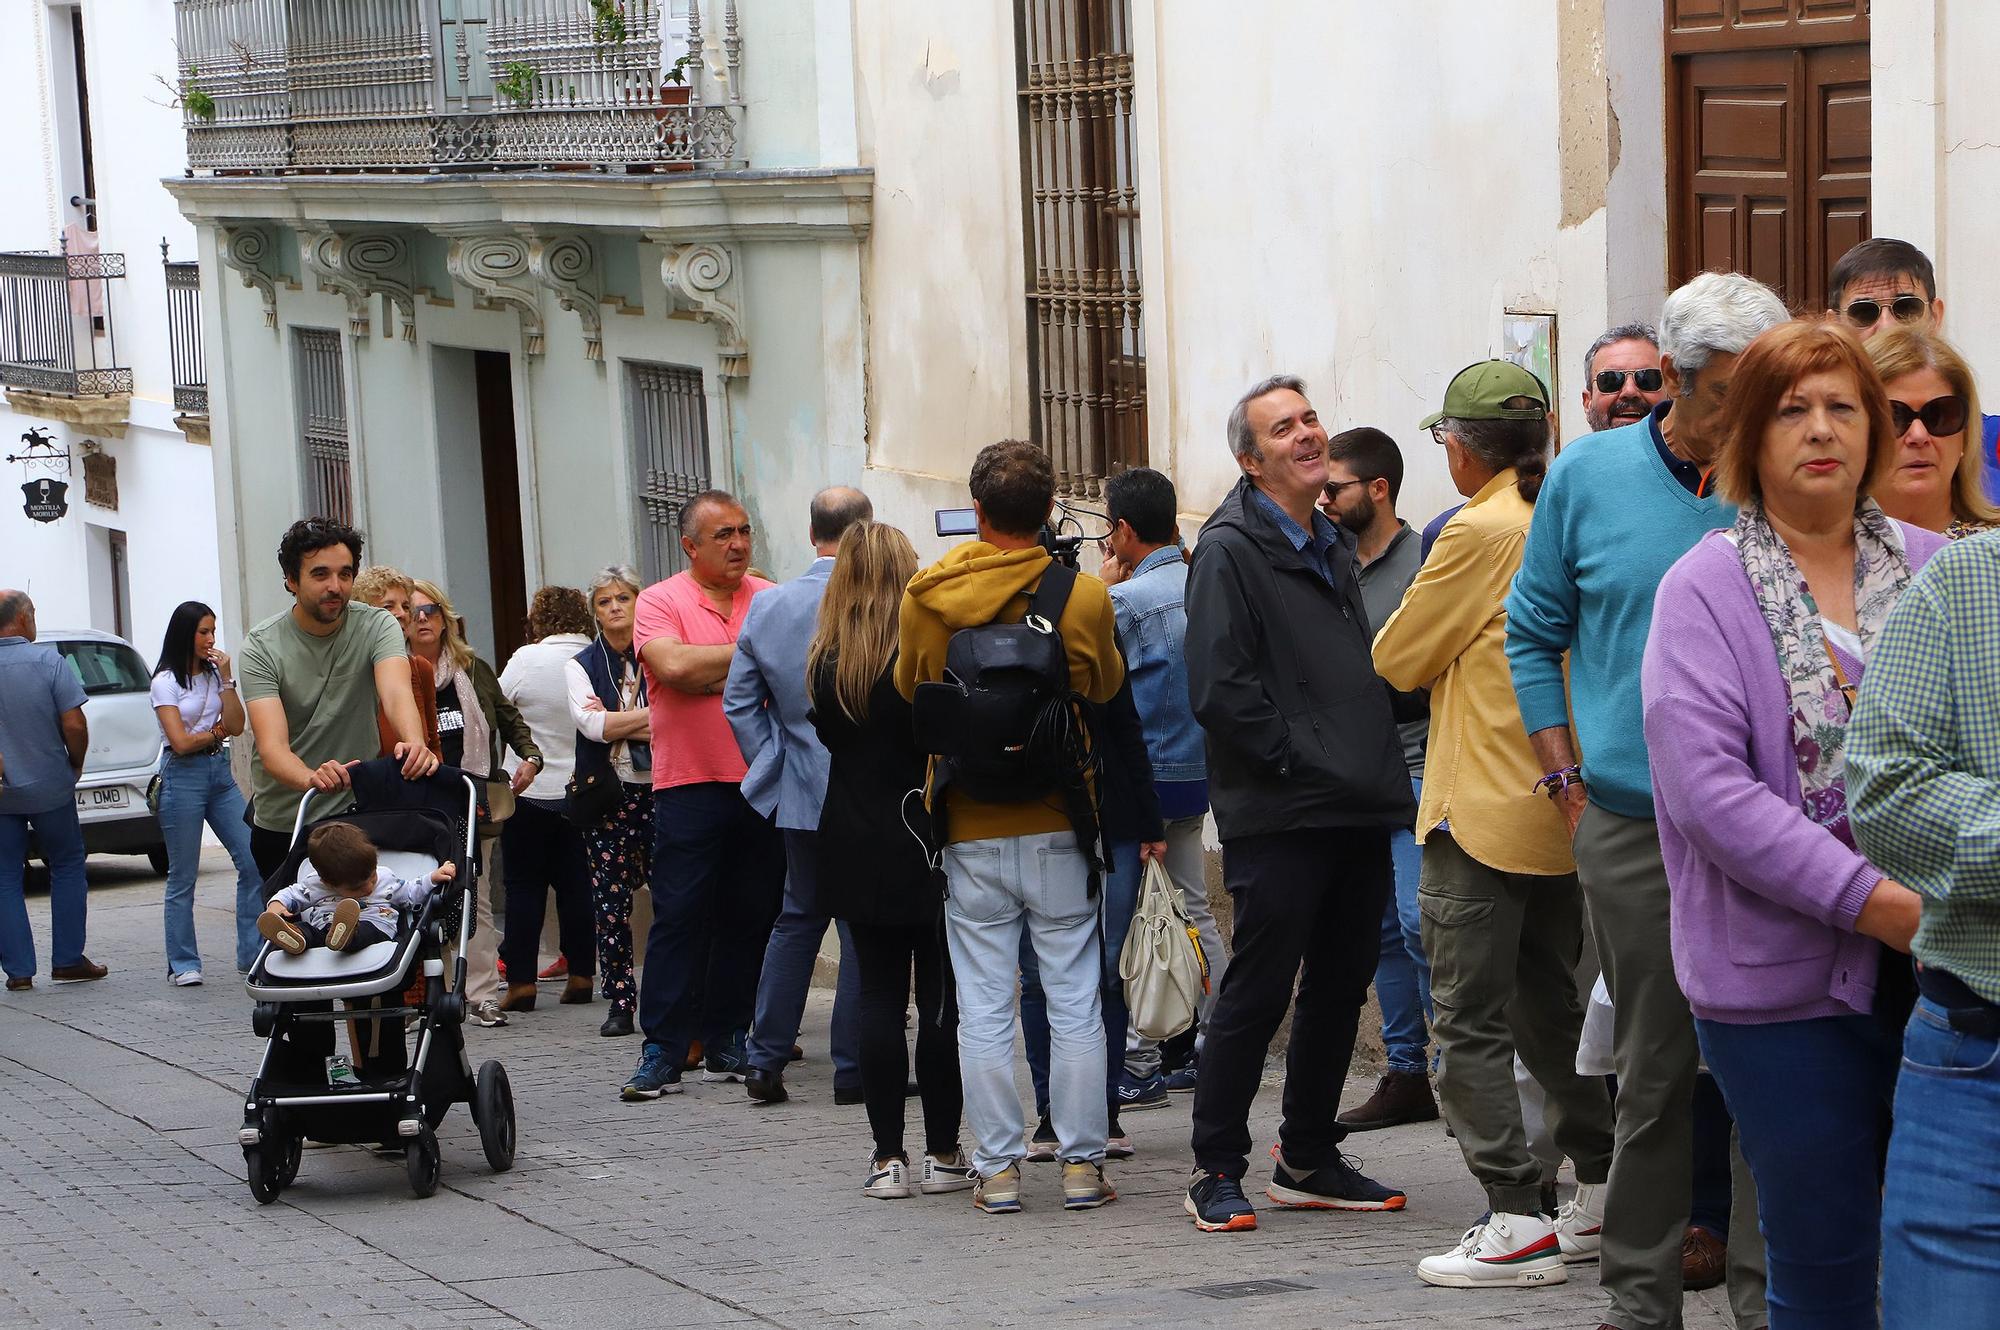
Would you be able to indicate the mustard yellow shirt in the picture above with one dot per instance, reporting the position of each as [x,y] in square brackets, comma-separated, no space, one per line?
[1450,635]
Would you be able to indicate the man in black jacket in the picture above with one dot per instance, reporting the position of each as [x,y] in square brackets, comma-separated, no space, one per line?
[1307,781]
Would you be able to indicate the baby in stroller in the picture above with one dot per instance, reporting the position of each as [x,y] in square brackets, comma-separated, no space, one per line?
[343,899]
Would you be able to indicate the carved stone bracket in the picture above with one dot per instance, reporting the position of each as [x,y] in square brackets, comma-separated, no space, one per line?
[702,279]
[246,248]
[379,262]
[565,264]
[324,254]
[496,268]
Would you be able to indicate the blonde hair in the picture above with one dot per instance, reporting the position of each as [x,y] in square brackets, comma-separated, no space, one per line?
[378,580]
[856,635]
[454,645]
[1906,350]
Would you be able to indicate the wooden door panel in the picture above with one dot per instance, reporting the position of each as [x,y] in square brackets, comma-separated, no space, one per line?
[1838,155]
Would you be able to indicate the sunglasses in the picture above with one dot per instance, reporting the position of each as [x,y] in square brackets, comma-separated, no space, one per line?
[1905,309]
[1942,416]
[1334,487]
[1611,380]
[427,611]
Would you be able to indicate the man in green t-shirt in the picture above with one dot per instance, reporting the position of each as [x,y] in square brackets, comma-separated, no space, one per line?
[312,678]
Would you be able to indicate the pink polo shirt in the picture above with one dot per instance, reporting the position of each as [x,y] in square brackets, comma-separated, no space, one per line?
[692,741]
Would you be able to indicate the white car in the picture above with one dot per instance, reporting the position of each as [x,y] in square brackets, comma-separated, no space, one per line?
[124,743]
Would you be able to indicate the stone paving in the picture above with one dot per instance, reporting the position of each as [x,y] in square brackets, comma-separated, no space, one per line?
[123,1204]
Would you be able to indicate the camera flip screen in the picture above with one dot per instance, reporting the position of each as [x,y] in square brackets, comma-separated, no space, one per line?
[956,522]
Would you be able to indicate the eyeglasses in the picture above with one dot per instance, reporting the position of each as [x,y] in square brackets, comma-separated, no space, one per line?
[1611,380]
[1905,308]
[1942,416]
[1438,435]
[427,611]
[1334,487]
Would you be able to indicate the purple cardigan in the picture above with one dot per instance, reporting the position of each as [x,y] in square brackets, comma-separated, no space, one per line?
[1764,900]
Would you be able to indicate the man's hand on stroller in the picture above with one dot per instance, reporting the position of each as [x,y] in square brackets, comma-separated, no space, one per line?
[331,775]
[418,761]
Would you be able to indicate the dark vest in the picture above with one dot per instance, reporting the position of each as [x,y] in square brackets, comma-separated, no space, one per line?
[592,756]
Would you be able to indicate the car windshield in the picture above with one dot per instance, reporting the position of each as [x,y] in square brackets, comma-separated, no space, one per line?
[106,667]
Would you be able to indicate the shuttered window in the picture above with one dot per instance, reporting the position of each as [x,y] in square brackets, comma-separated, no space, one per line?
[667,421]
[320,391]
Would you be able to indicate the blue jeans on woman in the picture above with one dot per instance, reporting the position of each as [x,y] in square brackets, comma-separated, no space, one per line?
[1811,1103]
[1403,974]
[195,789]
[1941,1208]
[1120,902]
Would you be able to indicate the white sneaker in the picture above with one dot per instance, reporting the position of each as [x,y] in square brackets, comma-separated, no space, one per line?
[889,1180]
[187,979]
[1580,1223]
[486,1013]
[942,1175]
[1507,1251]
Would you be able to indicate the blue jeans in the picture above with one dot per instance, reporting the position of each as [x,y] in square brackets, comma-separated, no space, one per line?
[1811,1103]
[1403,974]
[61,837]
[1121,902]
[197,789]
[1941,1208]
[788,971]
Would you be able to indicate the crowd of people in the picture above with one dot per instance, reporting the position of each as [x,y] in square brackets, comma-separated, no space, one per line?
[1632,785]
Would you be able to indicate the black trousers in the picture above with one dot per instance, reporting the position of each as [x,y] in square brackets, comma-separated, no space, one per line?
[542,851]
[269,848]
[887,955]
[1308,906]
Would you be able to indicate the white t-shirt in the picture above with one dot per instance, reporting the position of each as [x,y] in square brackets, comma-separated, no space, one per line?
[200,702]
[534,682]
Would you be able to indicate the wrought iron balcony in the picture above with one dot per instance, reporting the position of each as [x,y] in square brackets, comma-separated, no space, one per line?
[56,334]
[453,85]
[184,334]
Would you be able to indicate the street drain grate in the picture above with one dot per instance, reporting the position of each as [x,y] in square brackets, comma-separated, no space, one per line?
[1247,1288]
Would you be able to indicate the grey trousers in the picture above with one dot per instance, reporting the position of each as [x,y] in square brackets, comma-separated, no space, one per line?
[1503,949]
[1653,1047]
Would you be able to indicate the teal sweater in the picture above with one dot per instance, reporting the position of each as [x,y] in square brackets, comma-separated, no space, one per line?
[1610,521]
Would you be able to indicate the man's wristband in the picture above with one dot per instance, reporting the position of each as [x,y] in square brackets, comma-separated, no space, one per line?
[1556,782]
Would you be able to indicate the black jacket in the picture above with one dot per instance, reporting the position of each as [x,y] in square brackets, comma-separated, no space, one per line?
[872,870]
[1129,806]
[1301,732]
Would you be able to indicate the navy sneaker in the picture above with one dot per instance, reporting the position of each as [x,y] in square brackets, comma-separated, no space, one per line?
[655,1076]
[1135,1094]
[730,1062]
[1181,1080]
[1217,1205]
[1340,1185]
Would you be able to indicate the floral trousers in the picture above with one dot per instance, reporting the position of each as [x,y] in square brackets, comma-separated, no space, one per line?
[621,853]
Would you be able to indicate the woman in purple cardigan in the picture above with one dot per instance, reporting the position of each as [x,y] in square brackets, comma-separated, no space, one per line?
[1789,945]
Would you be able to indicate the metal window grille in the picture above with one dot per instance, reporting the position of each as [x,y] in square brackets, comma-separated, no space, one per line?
[1087,347]
[321,393]
[56,330]
[668,419]
[184,334]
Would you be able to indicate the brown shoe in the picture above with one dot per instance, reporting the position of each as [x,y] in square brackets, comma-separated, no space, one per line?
[694,1058]
[281,933]
[15,985]
[82,972]
[1400,1097]
[340,929]
[576,990]
[520,997]
[1704,1259]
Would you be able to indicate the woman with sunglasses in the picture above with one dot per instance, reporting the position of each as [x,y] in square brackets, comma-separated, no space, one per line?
[1934,479]
[1791,947]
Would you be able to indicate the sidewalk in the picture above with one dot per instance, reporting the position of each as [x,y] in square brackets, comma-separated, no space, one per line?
[122,1200]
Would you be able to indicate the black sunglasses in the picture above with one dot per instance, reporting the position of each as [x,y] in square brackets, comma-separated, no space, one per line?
[1905,309]
[1611,380]
[1334,487]
[1942,416]
[427,611]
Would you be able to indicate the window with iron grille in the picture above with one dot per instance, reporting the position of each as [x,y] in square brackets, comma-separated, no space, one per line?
[1086,346]
[667,421]
[184,335]
[321,394]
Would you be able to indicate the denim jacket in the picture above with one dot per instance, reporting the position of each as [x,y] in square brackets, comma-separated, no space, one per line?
[1152,622]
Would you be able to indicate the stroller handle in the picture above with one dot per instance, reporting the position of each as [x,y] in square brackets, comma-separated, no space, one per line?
[443,774]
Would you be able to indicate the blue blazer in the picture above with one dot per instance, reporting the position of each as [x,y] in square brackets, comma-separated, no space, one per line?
[768,706]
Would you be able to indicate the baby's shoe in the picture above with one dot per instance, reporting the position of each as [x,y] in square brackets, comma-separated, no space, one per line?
[345,916]
[282,933]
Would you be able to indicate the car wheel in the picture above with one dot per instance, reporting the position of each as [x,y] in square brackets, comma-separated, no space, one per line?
[157,857]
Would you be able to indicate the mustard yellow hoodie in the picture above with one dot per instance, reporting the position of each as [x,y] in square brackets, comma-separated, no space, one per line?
[977,583]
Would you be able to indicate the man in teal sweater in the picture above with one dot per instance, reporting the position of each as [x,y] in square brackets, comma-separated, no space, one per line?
[1617,511]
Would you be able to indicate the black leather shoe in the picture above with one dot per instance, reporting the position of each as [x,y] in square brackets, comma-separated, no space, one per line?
[766,1087]
[847,1094]
[616,1024]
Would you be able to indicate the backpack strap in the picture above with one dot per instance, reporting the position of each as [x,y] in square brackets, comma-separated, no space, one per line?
[1051,597]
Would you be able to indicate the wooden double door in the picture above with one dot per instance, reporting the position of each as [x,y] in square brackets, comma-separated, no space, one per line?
[1767,140]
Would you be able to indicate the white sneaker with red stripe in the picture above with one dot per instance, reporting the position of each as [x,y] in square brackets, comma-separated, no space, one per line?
[1507,1251]
[1580,1223]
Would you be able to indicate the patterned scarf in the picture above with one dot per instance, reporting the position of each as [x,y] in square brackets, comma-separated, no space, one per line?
[1819,711]
[478,756]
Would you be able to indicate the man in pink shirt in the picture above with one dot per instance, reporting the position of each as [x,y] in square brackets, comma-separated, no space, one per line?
[718,864]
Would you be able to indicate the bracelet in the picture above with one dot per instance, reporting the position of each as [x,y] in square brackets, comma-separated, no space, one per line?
[1556,782]
[228,685]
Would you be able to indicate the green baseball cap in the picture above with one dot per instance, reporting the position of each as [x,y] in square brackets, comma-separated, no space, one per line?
[1480,392]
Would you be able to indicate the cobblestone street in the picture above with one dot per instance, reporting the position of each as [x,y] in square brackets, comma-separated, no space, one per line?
[122,1192]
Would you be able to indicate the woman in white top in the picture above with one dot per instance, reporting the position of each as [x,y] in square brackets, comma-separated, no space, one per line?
[194,696]
[541,849]
[607,705]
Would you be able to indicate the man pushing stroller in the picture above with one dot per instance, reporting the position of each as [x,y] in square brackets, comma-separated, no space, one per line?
[344,900]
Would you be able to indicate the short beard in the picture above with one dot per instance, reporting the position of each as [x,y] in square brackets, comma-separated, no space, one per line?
[1360,517]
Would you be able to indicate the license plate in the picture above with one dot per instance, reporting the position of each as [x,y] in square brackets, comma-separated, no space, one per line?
[109,796]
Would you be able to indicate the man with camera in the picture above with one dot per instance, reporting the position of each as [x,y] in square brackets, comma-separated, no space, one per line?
[1021,637]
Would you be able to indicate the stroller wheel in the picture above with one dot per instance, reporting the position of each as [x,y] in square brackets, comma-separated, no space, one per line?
[420,1156]
[493,1111]
[263,1165]
[286,1159]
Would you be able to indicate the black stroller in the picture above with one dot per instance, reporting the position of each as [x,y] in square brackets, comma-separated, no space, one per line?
[394,1098]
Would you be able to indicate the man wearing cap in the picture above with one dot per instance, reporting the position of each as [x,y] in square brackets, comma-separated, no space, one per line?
[1611,519]
[1502,914]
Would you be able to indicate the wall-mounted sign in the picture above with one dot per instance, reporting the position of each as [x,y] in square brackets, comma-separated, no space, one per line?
[45,500]
[100,479]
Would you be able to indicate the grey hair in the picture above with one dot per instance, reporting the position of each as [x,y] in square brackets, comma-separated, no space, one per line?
[612,574]
[1624,332]
[1500,444]
[15,605]
[1243,443]
[1717,312]
[836,508]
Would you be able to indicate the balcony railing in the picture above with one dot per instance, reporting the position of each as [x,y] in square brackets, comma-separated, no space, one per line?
[50,306]
[184,334]
[453,85]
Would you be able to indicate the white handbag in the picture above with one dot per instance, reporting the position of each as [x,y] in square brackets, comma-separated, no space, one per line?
[1161,963]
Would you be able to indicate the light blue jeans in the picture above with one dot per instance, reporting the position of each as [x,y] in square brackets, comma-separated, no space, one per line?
[61,838]
[197,789]
[1403,974]
[998,888]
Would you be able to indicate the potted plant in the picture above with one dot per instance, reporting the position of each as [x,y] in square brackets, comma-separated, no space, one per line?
[673,82]
[519,84]
[607,22]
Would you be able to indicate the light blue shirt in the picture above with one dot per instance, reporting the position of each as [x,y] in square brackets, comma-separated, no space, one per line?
[36,687]
[1322,538]
[768,707]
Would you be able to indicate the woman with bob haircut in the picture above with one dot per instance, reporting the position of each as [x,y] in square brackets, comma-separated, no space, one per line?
[1791,947]
[1935,480]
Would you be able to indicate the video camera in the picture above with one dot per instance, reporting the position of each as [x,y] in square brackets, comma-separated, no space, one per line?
[1063,538]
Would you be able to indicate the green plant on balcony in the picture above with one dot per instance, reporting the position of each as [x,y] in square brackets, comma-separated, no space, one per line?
[519,84]
[607,22]
[198,103]
[677,72]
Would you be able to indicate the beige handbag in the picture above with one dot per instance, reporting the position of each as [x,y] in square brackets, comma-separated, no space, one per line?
[1161,963]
